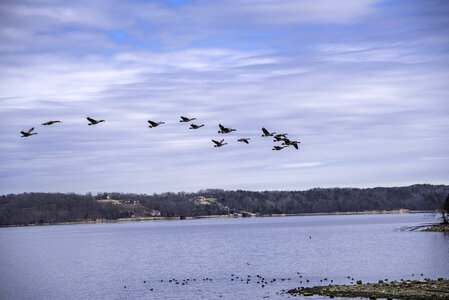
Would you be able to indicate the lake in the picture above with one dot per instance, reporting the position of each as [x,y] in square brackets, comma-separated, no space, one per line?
[97,261]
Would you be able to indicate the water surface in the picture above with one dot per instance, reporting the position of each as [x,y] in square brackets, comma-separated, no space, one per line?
[97,261]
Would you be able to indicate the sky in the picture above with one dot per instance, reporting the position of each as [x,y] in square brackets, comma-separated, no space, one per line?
[362,84]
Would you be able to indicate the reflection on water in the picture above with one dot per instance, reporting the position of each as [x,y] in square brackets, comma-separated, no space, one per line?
[201,259]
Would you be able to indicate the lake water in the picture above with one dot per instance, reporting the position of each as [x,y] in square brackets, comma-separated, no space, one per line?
[97,261]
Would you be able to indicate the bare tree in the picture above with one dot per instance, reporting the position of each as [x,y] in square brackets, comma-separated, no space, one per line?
[445,211]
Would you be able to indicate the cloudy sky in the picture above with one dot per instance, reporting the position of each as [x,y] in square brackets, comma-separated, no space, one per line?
[363,84]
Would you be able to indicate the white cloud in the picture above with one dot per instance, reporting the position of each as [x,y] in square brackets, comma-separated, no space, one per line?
[369,107]
[298,165]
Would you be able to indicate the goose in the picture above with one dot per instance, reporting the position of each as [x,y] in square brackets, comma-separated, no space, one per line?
[289,142]
[185,119]
[267,133]
[277,148]
[27,133]
[279,138]
[155,124]
[219,144]
[193,126]
[281,135]
[51,123]
[224,129]
[244,140]
[93,121]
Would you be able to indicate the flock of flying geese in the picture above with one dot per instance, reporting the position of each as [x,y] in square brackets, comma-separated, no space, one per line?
[281,137]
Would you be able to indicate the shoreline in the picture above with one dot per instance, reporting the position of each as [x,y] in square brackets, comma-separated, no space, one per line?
[432,227]
[409,289]
[181,218]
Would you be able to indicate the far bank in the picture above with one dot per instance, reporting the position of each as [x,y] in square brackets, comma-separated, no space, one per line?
[235,215]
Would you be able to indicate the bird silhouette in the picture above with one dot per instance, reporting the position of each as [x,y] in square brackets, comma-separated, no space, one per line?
[277,148]
[244,140]
[185,119]
[50,123]
[288,142]
[225,129]
[155,124]
[219,144]
[93,121]
[28,133]
[193,126]
[278,138]
[267,133]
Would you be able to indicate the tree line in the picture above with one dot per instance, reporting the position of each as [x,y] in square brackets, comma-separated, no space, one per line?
[41,208]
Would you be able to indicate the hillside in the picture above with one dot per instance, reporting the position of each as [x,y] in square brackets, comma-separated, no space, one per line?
[41,208]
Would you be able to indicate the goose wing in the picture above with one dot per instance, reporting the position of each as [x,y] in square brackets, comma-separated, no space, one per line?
[91,120]
[152,123]
[217,143]
[184,119]
[266,132]
[31,130]
[222,127]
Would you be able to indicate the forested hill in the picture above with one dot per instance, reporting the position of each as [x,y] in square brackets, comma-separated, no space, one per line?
[39,208]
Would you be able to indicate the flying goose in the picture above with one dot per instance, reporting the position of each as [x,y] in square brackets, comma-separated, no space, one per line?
[288,142]
[279,138]
[224,129]
[219,144]
[27,133]
[155,124]
[185,119]
[51,123]
[244,140]
[193,126]
[267,133]
[93,121]
[277,148]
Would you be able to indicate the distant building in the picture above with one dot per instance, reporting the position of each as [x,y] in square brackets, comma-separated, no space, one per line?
[201,200]
[107,199]
[130,202]
[155,213]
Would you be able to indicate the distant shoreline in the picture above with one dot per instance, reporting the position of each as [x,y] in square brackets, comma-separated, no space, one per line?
[148,219]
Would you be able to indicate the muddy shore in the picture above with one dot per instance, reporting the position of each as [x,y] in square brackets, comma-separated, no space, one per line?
[438,228]
[433,227]
[417,289]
